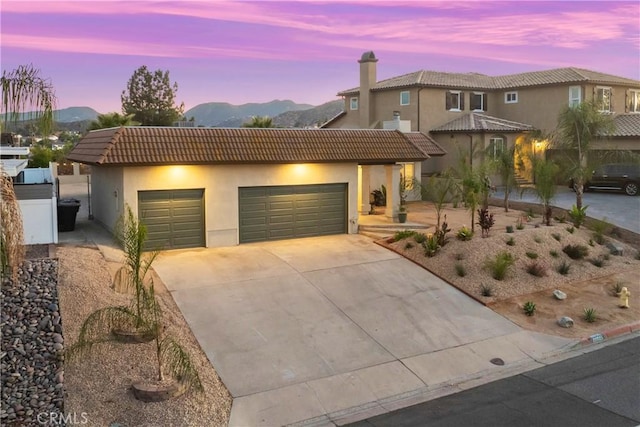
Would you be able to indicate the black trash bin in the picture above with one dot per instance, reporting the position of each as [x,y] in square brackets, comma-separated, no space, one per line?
[67,210]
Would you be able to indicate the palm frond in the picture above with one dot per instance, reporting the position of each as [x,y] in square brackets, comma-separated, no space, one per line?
[178,365]
[11,229]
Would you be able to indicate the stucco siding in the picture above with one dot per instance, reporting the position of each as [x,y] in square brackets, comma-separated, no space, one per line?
[107,195]
[221,183]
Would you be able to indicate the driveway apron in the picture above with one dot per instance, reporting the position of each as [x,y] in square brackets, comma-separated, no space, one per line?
[286,319]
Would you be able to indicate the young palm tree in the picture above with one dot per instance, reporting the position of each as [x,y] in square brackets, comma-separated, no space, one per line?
[577,129]
[545,173]
[505,166]
[112,120]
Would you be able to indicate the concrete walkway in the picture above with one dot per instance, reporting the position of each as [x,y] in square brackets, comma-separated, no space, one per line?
[335,329]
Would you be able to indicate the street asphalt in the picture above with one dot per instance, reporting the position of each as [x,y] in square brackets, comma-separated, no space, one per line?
[599,388]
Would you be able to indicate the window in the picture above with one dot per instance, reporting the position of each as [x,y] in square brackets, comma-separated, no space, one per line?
[496,146]
[454,101]
[478,101]
[511,97]
[575,96]
[404,98]
[407,175]
[354,103]
[634,101]
[603,99]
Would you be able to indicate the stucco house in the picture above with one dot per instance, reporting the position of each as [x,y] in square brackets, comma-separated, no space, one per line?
[498,111]
[211,187]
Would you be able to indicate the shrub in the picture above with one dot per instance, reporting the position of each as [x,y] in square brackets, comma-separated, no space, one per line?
[430,245]
[576,251]
[441,233]
[616,288]
[485,221]
[408,245]
[403,234]
[554,253]
[591,243]
[509,228]
[420,238]
[590,314]
[578,215]
[563,268]
[537,239]
[606,257]
[600,228]
[500,264]
[464,233]
[529,308]
[460,270]
[459,256]
[486,290]
[519,224]
[532,255]
[511,241]
[570,229]
[536,269]
[562,218]
[598,262]
[637,255]
[556,236]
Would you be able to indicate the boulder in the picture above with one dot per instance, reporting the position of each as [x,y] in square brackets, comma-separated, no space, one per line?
[565,322]
[559,294]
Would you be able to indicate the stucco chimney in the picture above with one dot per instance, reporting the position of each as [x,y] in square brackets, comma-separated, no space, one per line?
[367,80]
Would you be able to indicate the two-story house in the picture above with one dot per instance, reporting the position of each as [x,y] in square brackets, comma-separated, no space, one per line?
[462,110]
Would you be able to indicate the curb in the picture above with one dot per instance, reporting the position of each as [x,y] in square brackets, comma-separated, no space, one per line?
[611,333]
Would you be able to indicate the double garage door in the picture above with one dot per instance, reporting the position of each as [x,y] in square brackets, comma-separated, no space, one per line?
[175,218]
[286,212]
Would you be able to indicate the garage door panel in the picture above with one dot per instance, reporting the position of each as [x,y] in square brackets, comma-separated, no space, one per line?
[174,218]
[292,211]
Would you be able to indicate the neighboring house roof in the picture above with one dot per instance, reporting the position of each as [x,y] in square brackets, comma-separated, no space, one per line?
[477,122]
[426,144]
[482,81]
[139,145]
[334,119]
[627,125]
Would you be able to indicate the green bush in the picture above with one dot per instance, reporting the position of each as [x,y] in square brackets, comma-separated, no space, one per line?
[403,234]
[598,262]
[563,268]
[578,216]
[486,290]
[570,230]
[431,245]
[408,245]
[460,270]
[536,269]
[499,265]
[511,242]
[464,234]
[509,228]
[420,238]
[532,255]
[556,236]
[590,314]
[554,253]
[576,251]
[529,308]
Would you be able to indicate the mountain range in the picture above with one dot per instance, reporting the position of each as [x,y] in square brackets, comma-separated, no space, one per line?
[284,113]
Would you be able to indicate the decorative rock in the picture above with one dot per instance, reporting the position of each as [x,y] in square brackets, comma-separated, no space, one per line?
[559,294]
[565,322]
[614,248]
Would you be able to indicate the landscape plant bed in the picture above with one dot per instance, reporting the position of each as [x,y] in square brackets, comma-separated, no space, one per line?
[463,264]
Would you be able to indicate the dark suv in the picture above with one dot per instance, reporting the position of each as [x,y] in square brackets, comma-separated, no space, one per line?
[616,176]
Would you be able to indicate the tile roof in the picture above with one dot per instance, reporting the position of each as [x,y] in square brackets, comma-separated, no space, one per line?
[426,144]
[626,125]
[138,145]
[477,122]
[482,81]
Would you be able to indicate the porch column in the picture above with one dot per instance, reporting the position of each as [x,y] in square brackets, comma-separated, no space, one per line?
[393,191]
[364,176]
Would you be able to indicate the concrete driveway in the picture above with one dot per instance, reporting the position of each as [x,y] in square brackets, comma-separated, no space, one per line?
[311,328]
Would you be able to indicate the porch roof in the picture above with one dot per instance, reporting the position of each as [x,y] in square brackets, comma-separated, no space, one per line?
[478,122]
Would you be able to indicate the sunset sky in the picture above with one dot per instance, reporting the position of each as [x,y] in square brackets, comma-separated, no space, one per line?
[305,51]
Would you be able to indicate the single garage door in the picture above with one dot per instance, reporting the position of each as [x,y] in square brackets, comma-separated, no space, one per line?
[174,218]
[285,212]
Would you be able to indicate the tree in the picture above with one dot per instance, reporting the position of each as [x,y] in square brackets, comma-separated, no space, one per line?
[22,89]
[25,91]
[112,120]
[474,183]
[439,190]
[505,166]
[545,173]
[259,122]
[577,128]
[150,97]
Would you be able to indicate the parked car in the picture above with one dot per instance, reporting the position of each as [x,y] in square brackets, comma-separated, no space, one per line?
[615,176]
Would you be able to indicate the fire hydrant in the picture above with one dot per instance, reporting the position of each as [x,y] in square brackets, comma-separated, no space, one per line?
[624,295]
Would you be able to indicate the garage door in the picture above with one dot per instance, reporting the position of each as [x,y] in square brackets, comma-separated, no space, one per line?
[174,218]
[285,212]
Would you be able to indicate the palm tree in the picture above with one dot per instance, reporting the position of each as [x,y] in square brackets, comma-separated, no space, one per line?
[25,91]
[112,120]
[505,165]
[259,122]
[577,128]
[545,173]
